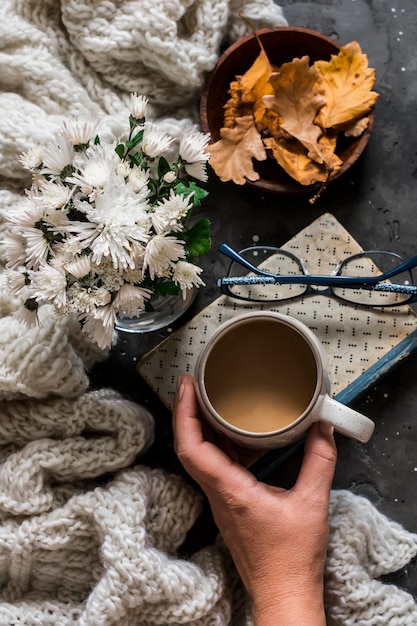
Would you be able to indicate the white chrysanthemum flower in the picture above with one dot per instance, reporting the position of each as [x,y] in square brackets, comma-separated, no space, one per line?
[79,267]
[86,300]
[155,142]
[169,213]
[95,166]
[123,169]
[16,281]
[37,246]
[133,276]
[138,178]
[27,212]
[192,149]
[57,156]
[130,299]
[111,278]
[53,194]
[117,226]
[186,276]
[14,250]
[32,159]
[161,253]
[67,250]
[197,170]
[79,131]
[138,106]
[37,207]
[49,284]
[27,316]
[99,326]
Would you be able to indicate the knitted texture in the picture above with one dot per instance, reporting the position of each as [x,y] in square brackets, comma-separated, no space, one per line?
[43,360]
[82,541]
[70,57]
[364,545]
[108,557]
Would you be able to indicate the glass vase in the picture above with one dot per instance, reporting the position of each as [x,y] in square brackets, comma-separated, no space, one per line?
[166,309]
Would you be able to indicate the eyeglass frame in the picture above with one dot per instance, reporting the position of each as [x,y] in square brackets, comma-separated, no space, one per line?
[374,282]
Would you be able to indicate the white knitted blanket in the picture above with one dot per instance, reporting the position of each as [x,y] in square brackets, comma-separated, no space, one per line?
[88,536]
[68,57]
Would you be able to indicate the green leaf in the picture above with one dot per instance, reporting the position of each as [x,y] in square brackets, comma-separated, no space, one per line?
[96,140]
[120,150]
[197,239]
[167,288]
[132,143]
[136,158]
[187,188]
[163,167]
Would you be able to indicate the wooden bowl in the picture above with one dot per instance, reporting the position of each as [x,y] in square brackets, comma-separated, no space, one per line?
[282,45]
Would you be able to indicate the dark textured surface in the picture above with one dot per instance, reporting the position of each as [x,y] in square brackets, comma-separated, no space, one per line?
[375,202]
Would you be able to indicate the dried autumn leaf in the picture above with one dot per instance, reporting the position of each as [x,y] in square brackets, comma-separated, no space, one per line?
[357,128]
[346,83]
[279,108]
[293,158]
[236,107]
[255,81]
[267,121]
[296,100]
[232,108]
[231,156]
[247,90]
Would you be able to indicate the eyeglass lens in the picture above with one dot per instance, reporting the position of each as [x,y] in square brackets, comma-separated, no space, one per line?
[369,264]
[268,260]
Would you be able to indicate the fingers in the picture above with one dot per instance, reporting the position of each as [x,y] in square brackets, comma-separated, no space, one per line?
[213,469]
[187,426]
[319,463]
[204,461]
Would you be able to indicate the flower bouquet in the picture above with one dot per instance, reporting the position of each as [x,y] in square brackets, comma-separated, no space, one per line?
[105,225]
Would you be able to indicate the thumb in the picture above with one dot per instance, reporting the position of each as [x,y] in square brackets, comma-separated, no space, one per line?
[319,463]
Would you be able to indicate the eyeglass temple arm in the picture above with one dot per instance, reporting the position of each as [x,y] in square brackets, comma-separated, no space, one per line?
[307,279]
[225,249]
[271,280]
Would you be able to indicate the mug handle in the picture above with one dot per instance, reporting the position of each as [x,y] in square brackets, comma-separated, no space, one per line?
[345,420]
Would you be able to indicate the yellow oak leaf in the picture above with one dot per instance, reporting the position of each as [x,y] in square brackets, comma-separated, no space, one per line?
[231,156]
[293,158]
[296,100]
[247,90]
[266,120]
[255,81]
[346,83]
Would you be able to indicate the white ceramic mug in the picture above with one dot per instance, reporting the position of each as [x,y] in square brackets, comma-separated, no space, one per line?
[261,381]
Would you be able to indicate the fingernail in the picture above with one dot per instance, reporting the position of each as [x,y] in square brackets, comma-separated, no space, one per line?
[326,429]
[180,387]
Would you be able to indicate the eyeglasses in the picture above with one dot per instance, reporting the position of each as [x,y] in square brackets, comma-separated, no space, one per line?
[276,275]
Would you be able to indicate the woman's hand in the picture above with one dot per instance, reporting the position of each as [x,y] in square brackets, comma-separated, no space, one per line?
[277,537]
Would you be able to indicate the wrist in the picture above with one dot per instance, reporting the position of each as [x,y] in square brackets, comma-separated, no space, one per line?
[299,608]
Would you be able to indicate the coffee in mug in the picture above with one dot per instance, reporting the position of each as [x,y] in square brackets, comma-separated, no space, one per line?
[261,381]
